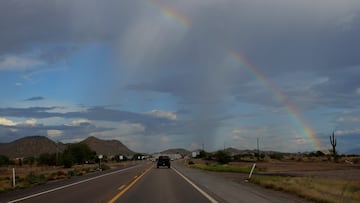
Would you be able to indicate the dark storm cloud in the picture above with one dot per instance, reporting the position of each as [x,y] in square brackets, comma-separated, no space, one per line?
[276,36]
[190,62]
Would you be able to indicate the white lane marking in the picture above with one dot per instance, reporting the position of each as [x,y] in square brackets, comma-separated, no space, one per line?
[72,184]
[212,200]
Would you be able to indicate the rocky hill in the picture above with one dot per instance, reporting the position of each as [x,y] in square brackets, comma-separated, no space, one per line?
[36,145]
[30,146]
[176,151]
[107,147]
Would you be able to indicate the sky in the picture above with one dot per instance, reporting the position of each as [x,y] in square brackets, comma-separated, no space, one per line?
[159,74]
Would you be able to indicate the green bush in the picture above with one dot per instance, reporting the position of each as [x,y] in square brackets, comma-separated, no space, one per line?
[4,160]
[277,156]
[222,157]
[77,153]
[104,167]
[74,172]
[34,179]
[29,160]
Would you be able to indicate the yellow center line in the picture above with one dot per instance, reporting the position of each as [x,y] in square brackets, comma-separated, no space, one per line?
[122,187]
[132,183]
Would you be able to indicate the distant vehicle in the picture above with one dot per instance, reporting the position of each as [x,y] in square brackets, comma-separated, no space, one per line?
[163,161]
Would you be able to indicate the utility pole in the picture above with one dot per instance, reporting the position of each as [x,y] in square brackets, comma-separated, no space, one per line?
[57,153]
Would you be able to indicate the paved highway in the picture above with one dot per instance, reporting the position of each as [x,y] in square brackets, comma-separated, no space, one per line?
[146,183]
[162,185]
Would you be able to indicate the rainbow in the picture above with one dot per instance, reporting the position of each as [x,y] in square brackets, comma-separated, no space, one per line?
[170,12]
[291,110]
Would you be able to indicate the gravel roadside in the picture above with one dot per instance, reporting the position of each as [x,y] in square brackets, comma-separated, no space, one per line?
[232,187]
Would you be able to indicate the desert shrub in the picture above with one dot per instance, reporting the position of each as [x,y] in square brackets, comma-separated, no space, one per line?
[204,155]
[74,172]
[29,160]
[277,156]
[34,179]
[222,157]
[4,160]
[47,159]
[262,155]
[104,167]
[356,160]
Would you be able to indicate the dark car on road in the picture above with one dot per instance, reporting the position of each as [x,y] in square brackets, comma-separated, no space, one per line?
[163,161]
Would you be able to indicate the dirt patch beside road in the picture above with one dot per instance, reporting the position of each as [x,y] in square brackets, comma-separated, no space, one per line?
[326,170]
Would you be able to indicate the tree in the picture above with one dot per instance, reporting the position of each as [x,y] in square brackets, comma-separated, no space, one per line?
[29,160]
[203,155]
[222,157]
[77,153]
[4,160]
[47,159]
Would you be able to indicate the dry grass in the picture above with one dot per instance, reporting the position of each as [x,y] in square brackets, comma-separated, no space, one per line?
[27,176]
[318,190]
[222,168]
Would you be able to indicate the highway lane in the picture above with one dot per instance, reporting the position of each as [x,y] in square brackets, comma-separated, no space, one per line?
[95,189]
[162,185]
[146,183]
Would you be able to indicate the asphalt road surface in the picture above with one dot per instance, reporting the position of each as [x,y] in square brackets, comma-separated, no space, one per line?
[146,183]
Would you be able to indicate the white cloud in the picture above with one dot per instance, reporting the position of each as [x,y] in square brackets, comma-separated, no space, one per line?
[18,63]
[54,133]
[351,119]
[78,122]
[6,122]
[347,132]
[162,114]
[29,122]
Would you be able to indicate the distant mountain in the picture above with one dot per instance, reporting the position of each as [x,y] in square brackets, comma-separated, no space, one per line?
[234,151]
[107,147]
[30,146]
[354,151]
[176,151]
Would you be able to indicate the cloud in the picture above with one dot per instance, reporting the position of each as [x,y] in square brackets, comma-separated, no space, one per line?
[162,114]
[6,122]
[78,122]
[54,133]
[35,98]
[310,59]
[354,131]
[15,63]
[31,122]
